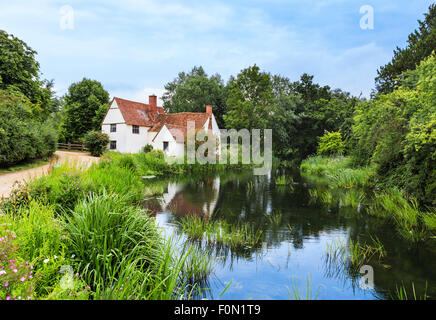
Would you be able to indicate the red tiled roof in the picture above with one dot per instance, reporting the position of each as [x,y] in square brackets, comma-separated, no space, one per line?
[138,114]
[144,115]
[177,123]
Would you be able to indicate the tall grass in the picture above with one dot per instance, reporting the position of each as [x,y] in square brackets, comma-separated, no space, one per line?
[411,223]
[122,254]
[338,171]
[319,165]
[404,212]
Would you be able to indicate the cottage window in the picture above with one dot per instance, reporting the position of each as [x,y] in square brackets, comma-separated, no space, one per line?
[113,145]
[135,129]
[165,145]
[113,128]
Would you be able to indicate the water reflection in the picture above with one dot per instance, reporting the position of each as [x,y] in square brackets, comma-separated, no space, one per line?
[298,222]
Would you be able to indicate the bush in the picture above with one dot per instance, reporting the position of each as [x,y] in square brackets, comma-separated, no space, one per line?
[23,138]
[147,148]
[330,144]
[96,142]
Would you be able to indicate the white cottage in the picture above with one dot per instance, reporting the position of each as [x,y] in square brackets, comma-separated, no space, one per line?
[132,125]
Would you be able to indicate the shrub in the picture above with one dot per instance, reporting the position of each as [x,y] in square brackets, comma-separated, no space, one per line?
[96,142]
[147,148]
[331,143]
[22,136]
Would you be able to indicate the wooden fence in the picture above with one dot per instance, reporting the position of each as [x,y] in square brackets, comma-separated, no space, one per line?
[72,146]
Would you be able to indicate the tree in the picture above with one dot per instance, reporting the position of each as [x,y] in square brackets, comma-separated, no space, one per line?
[85,105]
[19,71]
[250,99]
[284,119]
[421,43]
[397,133]
[191,92]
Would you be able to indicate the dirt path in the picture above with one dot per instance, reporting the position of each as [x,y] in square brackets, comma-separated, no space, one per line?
[7,180]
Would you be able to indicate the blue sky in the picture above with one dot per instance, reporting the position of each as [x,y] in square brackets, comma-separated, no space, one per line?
[135,47]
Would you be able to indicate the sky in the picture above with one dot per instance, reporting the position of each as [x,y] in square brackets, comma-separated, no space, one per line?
[135,47]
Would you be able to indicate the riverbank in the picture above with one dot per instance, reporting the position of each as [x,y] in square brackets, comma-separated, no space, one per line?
[360,189]
[89,222]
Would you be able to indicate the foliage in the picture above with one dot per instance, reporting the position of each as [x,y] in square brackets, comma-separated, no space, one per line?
[303,111]
[397,133]
[85,105]
[19,71]
[250,100]
[420,45]
[23,138]
[147,148]
[191,92]
[331,143]
[96,142]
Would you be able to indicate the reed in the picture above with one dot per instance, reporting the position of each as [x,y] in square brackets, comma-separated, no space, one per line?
[354,254]
[402,293]
[304,291]
[219,232]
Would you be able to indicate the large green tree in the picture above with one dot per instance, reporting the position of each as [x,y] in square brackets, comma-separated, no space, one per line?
[19,71]
[420,44]
[85,105]
[311,110]
[191,92]
[250,99]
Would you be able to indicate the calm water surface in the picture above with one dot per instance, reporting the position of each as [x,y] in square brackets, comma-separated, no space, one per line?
[294,251]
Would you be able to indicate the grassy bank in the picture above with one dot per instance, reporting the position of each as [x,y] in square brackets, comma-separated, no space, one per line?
[83,234]
[346,185]
[27,165]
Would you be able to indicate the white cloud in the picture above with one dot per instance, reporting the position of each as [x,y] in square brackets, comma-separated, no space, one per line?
[144,44]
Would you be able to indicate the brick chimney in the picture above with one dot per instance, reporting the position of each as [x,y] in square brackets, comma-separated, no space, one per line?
[152,100]
[209,110]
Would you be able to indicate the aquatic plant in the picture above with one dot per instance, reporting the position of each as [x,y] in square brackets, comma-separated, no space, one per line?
[353,254]
[275,218]
[403,211]
[402,293]
[219,232]
[283,180]
[299,291]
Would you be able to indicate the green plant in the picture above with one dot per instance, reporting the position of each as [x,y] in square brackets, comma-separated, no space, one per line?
[219,232]
[331,144]
[16,274]
[402,293]
[283,181]
[147,148]
[96,142]
[296,292]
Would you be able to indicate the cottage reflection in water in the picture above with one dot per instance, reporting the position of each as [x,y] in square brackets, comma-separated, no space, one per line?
[194,198]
